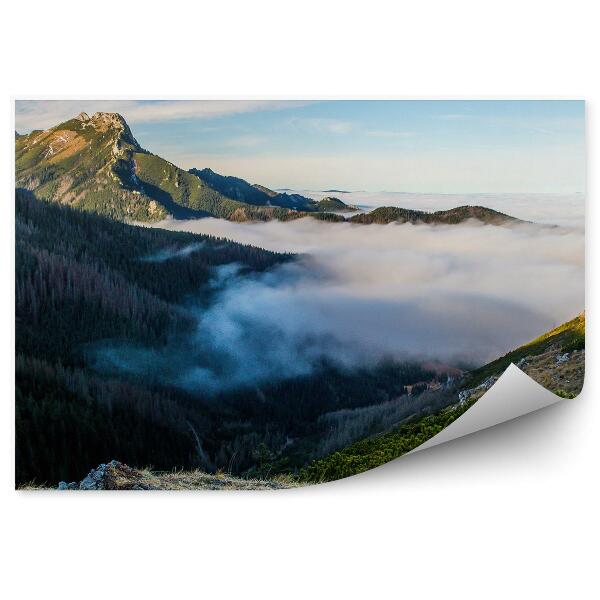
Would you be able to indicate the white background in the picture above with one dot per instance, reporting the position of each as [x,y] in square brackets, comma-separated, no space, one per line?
[507,513]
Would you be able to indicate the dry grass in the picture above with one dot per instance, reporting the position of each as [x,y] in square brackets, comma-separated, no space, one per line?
[33,486]
[72,144]
[197,480]
[122,477]
[566,377]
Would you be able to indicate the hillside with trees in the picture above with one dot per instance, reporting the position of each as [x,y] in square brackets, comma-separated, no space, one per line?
[392,214]
[562,351]
[83,281]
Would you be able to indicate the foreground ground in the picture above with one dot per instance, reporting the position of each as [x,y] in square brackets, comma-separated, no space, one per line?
[117,476]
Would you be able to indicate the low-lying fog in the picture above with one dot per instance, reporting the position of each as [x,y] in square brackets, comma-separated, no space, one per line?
[459,294]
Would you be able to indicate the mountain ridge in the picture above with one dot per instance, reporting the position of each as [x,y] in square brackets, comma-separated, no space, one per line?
[258,195]
[390,214]
[96,164]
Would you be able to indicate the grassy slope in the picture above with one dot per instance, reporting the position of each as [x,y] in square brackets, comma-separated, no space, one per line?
[258,195]
[178,189]
[171,185]
[569,336]
[85,171]
[375,451]
[233,187]
[77,164]
[333,204]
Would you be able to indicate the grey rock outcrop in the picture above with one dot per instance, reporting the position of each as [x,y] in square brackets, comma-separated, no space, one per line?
[96,479]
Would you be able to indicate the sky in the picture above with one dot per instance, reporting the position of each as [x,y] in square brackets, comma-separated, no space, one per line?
[415,146]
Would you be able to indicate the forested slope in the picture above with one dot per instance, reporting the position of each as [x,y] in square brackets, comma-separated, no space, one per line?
[453,216]
[84,280]
[81,278]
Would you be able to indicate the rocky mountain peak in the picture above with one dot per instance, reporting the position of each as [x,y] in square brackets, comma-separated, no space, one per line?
[107,121]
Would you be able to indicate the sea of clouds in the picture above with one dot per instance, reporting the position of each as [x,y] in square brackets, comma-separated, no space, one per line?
[356,294]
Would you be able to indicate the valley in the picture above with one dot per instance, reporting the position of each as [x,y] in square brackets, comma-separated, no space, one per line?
[81,283]
[561,355]
[185,329]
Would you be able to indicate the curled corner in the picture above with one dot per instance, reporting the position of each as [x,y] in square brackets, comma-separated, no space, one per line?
[513,395]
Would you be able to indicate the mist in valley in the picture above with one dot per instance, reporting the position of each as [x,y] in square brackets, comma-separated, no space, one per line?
[356,295]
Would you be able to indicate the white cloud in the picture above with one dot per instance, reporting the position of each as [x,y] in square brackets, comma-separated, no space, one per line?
[41,114]
[362,293]
[323,125]
[203,109]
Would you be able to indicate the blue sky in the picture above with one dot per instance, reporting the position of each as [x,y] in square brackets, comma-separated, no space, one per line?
[413,146]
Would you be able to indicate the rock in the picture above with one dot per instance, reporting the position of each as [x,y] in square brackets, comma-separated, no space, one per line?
[118,476]
[105,121]
[95,479]
[105,477]
[464,395]
[90,483]
[63,485]
[82,117]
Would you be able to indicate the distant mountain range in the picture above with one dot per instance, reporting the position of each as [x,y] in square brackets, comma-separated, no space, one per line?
[390,214]
[95,163]
[259,195]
